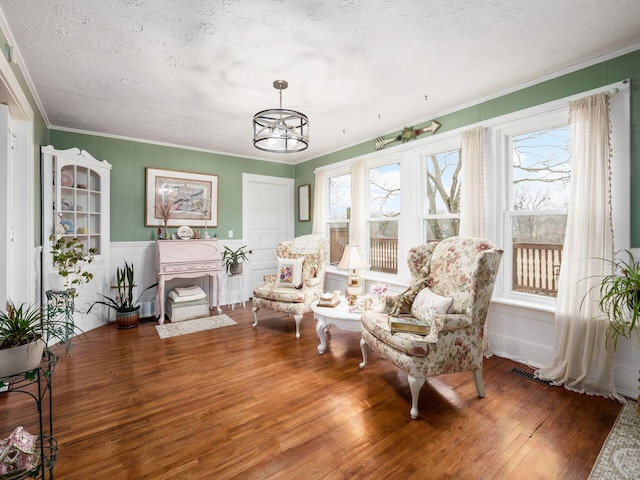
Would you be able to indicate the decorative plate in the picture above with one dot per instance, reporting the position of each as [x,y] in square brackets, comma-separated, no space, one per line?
[66,180]
[185,232]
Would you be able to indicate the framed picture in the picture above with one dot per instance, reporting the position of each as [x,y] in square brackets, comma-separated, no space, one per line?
[304,202]
[181,198]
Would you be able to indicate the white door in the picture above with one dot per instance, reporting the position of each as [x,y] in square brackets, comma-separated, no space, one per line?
[5,208]
[267,219]
[16,262]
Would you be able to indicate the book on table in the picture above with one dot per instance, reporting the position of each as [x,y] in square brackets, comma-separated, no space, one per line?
[329,300]
[408,324]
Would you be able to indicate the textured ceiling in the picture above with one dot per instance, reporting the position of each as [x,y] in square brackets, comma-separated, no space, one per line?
[194,72]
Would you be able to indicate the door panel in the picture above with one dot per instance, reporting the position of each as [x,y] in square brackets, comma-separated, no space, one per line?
[267,220]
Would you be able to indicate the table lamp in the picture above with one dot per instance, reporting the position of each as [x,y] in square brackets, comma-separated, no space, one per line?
[352,259]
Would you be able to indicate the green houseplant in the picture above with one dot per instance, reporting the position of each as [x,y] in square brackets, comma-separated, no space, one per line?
[232,259]
[620,297]
[24,331]
[126,307]
[69,257]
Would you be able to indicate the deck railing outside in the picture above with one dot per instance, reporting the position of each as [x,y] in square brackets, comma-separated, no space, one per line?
[536,267]
[383,255]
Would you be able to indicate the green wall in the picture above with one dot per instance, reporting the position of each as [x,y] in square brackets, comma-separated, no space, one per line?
[129,159]
[605,73]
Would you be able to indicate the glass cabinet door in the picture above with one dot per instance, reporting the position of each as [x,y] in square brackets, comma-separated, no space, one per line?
[78,204]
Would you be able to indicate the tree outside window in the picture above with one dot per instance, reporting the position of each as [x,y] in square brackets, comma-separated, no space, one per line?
[442,194]
[339,216]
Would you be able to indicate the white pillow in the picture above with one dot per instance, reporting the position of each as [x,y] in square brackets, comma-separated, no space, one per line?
[289,272]
[428,304]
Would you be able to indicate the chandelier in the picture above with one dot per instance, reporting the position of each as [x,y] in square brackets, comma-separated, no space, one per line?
[279,130]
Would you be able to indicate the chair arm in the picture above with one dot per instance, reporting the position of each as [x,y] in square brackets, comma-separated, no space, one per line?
[270,278]
[455,321]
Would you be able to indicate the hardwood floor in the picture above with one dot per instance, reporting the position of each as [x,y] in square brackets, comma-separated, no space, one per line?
[238,402]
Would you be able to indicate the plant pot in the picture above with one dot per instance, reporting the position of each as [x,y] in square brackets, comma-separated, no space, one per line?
[235,268]
[127,319]
[21,359]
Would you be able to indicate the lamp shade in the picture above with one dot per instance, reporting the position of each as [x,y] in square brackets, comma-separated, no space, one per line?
[352,259]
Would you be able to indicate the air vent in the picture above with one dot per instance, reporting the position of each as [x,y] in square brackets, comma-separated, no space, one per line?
[529,376]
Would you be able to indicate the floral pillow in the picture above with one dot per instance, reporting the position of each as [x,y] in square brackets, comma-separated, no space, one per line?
[289,272]
[428,304]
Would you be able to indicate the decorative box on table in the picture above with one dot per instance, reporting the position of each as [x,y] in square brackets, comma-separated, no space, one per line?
[179,311]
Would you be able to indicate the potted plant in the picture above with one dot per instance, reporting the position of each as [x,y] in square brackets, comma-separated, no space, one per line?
[232,259]
[24,331]
[620,298]
[69,257]
[126,307]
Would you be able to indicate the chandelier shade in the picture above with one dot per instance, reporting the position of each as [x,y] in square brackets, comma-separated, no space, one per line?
[280,130]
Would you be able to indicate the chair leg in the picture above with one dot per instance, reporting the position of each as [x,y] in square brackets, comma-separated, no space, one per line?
[415,384]
[255,316]
[477,377]
[298,319]
[363,347]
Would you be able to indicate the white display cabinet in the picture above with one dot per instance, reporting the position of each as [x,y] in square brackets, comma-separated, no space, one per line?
[75,203]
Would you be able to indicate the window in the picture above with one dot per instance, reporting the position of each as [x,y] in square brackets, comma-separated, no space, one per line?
[538,198]
[339,216]
[442,195]
[384,215]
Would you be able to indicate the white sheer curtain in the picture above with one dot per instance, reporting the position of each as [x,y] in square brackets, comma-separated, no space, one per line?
[472,196]
[582,362]
[472,201]
[320,202]
[359,183]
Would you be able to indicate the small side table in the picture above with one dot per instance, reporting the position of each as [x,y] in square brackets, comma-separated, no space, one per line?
[340,316]
[61,303]
[235,290]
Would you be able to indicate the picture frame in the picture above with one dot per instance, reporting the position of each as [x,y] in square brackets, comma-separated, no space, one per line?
[187,198]
[304,203]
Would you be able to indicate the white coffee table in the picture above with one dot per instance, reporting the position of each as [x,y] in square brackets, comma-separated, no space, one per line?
[340,316]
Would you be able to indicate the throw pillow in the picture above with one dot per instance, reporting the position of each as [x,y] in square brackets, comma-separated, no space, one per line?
[428,304]
[289,272]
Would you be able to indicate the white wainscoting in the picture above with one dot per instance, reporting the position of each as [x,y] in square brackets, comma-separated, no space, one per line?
[526,335]
[143,257]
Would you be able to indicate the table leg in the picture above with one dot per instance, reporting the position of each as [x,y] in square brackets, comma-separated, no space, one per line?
[321,326]
[219,290]
[160,299]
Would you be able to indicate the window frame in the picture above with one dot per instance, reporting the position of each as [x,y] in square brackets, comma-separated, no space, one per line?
[409,155]
[368,219]
[504,133]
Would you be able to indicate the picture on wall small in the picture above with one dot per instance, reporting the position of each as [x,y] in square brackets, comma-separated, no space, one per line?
[304,203]
[177,198]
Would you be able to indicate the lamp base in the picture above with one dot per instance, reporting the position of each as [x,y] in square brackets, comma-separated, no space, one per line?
[352,295]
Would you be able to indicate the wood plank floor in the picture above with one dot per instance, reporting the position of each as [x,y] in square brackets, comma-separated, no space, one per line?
[238,402]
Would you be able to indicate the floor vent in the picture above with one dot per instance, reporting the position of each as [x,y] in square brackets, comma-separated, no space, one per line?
[529,376]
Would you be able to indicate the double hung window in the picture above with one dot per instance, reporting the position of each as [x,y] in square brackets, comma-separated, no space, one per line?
[537,198]
[339,216]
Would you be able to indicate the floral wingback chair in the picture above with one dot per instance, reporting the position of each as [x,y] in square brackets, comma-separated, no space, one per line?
[299,281]
[451,287]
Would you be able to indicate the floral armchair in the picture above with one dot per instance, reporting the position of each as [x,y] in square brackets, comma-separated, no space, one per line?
[451,287]
[299,281]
